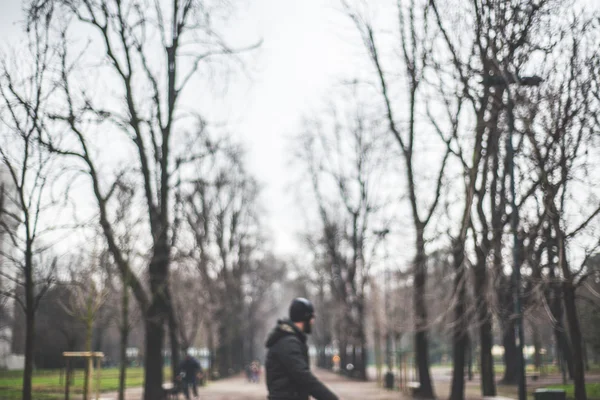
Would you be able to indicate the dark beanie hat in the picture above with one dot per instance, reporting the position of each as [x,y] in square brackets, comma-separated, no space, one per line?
[301,309]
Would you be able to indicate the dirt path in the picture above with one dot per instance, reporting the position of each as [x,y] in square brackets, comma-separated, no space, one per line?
[238,388]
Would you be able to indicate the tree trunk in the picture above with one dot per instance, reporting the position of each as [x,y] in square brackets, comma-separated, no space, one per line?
[173,340]
[421,320]
[211,349]
[89,368]
[486,338]
[29,343]
[363,361]
[239,353]
[124,340]
[89,330]
[29,323]
[377,338]
[470,358]
[153,377]
[511,371]
[459,334]
[224,348]
[576,341]
[586,359]
[343,354]
[354,362]
[560,334]
[155,317]
[223,358]
[362,336]
[488,378]
[511,367]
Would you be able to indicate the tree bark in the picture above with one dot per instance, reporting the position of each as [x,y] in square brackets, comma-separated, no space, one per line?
[211,349]
[488,378]
[377,334]
[362,336]
[511,372]
[576,341]
[223,350]
[153,377]
[562,341]
[157,314]
[124,339]
[173,340]
[29,348]
[421,318]
[343,354]
[469,358]
[29,322]
[486,338]
[89,329]
[459,333]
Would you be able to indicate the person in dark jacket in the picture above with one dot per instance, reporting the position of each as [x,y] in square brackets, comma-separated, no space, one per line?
[287,366]
[189,370]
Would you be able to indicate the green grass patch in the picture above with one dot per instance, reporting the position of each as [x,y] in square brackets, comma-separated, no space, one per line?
[592,389]
[50,384]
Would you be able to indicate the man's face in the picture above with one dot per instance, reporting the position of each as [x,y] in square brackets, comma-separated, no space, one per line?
[308,325]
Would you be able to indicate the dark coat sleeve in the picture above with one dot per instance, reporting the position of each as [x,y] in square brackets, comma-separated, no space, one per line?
[289,352]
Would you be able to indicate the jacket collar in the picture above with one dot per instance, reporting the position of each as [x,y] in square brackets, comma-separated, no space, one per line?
[288,326]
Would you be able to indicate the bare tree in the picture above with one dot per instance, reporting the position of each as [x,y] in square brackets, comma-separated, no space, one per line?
[56,329]
[415,39]
[343,154]
[146,118]
[561,136]
[88,296]
[190,309]
[262,275]
[31,172]
[501,55]
[127,315]
[222,215]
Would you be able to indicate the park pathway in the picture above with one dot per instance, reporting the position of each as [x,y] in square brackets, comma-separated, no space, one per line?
[237,388]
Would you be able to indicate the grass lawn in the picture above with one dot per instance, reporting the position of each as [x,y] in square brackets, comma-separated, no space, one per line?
[50,385]
[592,390]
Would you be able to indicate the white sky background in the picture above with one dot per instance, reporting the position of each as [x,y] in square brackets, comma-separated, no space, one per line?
[302,55]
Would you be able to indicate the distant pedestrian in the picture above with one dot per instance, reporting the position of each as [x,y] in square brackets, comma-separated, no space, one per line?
[189,371]
[254,372]
[287,366]
[248,370]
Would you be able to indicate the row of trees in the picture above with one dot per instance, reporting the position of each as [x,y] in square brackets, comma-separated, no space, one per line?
[423,146]
[100,128]
[448,84]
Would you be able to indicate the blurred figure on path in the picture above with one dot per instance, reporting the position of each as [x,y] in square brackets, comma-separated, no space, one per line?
[254,372]
[190,371]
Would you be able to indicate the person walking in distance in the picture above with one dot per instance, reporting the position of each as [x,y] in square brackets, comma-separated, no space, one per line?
[287,367]
[189,371]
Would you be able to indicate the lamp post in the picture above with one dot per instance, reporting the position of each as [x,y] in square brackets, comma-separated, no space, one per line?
[506,81]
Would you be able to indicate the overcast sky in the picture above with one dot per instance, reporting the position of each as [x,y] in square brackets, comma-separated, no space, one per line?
[303,54]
